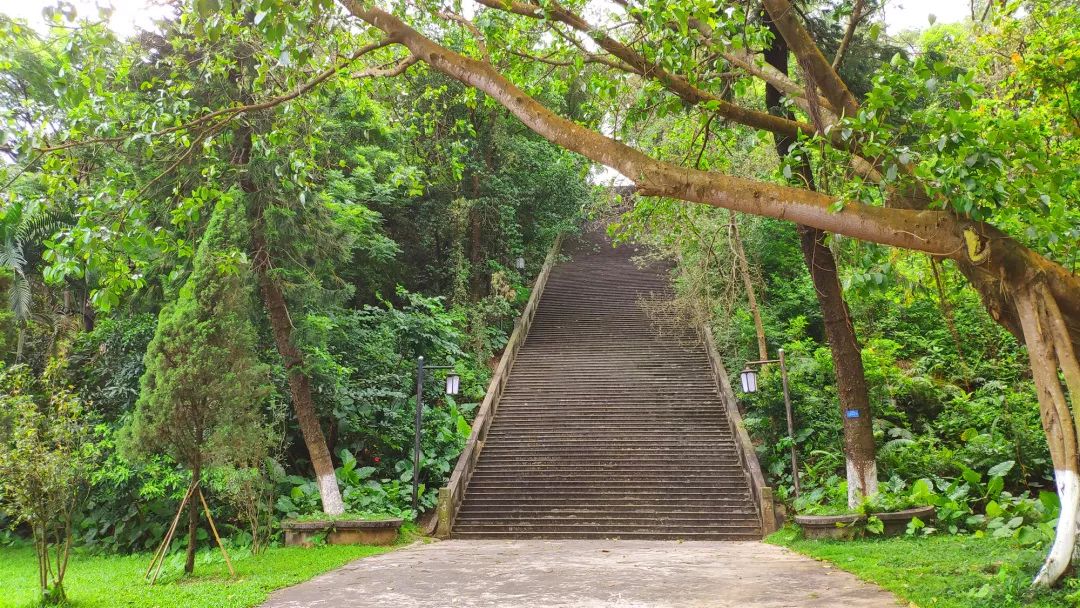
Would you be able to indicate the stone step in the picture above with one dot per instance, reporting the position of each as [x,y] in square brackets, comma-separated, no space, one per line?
[591,455]
[726,503]
[598,520]
[565,535]
[540,487]
[599,464]
[621,531]
[609,467]
[607,478]
[585,444]
[610,425]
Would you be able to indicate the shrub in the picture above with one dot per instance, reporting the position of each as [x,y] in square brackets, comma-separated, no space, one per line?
[46,453]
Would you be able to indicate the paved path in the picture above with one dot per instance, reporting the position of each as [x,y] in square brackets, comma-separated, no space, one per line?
[585,574]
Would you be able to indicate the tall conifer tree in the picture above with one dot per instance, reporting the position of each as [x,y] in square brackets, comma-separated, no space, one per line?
[203,385]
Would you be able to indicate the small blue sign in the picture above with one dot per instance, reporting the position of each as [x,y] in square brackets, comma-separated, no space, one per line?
[853,413]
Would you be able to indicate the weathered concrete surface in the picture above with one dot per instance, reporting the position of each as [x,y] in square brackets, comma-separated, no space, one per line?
[585,574]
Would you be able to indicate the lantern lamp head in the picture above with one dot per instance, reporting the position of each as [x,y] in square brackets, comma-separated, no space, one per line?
[519,263]
[453,384]
[749,380]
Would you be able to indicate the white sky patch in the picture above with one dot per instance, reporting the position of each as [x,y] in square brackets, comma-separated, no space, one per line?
[128,16]
[903,15]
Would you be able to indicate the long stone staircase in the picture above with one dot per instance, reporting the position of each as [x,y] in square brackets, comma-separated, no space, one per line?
[610,424]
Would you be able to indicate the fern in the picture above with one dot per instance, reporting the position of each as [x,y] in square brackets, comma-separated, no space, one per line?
[19,297]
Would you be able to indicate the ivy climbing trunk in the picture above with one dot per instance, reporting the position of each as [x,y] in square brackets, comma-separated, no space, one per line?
[859,448]
[277,310]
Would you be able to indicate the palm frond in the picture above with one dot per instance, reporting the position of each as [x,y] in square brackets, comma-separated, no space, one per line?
[44,224]
[11,255]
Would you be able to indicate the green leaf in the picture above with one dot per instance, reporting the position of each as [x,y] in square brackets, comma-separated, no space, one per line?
[874,525]
[1029,535]
[914,526]
[1050,501]
[1001,468]
[922,489]
[970,476]
[875,31]
[965,100]
[205,7]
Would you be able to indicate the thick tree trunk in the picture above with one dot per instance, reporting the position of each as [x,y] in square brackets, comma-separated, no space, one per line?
[299,383]
[748,285]
[1037,311]
[281,325]
[193,521]
[859,449]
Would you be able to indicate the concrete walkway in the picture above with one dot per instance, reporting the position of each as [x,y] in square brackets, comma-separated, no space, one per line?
[585,574]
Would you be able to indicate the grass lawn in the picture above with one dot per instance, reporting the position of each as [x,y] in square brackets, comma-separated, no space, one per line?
[115,581]
[941,571]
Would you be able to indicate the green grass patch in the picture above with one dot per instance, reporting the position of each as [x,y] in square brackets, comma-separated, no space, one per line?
[117,580]
[941,571]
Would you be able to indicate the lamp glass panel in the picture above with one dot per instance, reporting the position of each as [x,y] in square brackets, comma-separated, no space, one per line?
[749,381]
[453,384]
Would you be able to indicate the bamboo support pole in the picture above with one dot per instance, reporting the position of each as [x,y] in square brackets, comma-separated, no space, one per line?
[159,554]
[213,528]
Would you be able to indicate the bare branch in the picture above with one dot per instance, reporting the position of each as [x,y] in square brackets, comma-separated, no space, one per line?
[622,67]
[849,33]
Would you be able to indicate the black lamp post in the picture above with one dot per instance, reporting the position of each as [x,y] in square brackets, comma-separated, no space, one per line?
[748,378]
[453,385]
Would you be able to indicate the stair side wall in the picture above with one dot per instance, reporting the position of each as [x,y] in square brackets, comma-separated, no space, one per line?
[762,492]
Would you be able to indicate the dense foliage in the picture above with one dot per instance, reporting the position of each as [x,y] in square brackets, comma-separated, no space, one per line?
[225,242]
[393,221]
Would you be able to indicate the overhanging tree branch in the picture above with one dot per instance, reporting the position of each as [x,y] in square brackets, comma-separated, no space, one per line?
[933,231]
[988,257]
[674,83]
